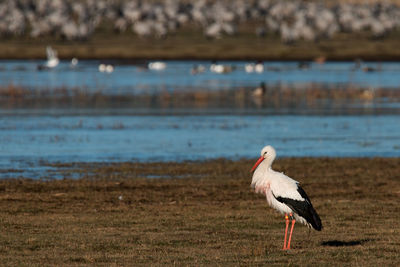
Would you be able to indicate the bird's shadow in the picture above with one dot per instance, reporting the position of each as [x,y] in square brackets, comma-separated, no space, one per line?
[338,243]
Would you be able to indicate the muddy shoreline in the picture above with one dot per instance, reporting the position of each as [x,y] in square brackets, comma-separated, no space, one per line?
[111,46]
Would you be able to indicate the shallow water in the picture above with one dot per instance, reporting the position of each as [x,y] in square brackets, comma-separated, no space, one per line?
[28,143]
[31,138]
[135,79]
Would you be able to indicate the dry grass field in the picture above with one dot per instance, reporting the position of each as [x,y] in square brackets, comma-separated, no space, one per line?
[200,213]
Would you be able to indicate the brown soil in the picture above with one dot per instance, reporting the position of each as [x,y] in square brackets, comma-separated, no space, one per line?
[190,43]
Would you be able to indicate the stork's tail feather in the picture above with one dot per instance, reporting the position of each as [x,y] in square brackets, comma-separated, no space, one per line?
[315,220]
[309,212]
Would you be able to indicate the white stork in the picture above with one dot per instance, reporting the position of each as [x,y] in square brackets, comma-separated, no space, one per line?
[283,194]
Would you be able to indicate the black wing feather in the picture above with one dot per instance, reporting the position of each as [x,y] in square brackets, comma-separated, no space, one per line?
[303,208]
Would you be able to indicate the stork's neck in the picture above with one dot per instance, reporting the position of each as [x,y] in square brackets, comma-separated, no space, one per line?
[265,166]
[268,162]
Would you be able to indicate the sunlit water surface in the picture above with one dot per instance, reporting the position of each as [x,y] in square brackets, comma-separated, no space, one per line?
[26,142]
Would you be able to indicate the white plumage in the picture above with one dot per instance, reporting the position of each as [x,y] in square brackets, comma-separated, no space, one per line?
[158,65]
[52,59]
[282,192]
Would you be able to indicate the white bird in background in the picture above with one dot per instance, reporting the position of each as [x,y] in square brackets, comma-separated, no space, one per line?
[158,65]
[283,194]
[106,68]
[249,68]
[52,59]
[221,69]
[259,67]
[254,67]
[109,68]
[74,62]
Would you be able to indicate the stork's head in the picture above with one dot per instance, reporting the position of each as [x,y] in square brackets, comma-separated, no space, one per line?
[268,154]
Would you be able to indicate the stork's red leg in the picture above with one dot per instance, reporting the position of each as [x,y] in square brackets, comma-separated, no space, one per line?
[287,225]
[291,231]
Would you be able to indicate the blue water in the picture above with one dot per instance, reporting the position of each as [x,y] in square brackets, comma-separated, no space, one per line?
[32,138]
[26,141]
[134,79]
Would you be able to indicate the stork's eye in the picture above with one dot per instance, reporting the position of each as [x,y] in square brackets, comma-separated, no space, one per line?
[265,153]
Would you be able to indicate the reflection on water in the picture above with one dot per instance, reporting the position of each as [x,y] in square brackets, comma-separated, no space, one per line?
[25,141]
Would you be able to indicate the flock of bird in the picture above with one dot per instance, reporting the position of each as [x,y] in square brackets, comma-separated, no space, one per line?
[53,61]
[291,20]
[215,67]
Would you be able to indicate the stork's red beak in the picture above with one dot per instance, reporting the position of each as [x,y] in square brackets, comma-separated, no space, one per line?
[257,163]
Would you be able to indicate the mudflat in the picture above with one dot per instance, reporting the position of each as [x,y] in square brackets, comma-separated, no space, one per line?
[190,43]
